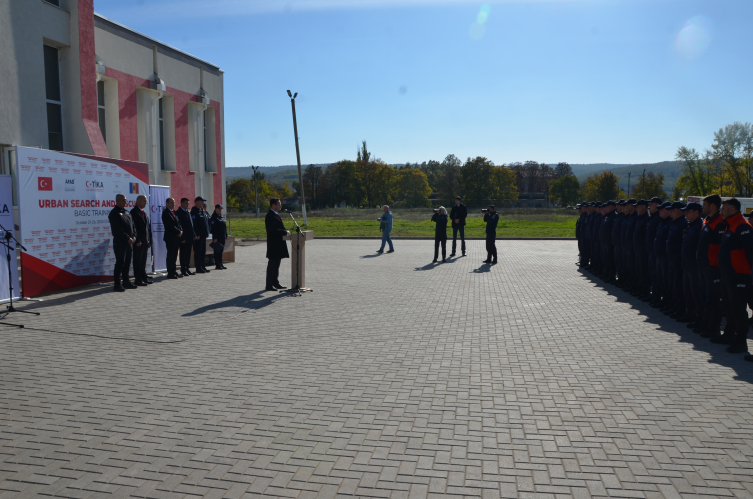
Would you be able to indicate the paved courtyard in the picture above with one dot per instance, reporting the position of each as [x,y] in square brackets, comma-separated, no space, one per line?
[395,378]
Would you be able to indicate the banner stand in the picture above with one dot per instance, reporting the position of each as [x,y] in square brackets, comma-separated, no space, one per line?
[158,195]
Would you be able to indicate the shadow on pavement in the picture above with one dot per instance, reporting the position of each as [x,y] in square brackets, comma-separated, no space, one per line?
[428,266]
[485,267]
[372,255]
[742,368]
[254,301]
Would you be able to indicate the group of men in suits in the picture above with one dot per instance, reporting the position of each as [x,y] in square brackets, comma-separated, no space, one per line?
[132,237]
[186,231]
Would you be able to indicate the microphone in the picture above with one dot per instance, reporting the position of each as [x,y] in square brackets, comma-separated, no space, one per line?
[288,211]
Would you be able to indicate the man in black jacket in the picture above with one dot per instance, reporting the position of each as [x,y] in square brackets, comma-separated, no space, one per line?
[187,239]
[173,233]
[123,236]
[143,241]
[491,218]
[200,221]
[277,248]
[458,214]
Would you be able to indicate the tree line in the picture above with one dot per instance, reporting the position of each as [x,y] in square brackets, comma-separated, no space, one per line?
[368,182]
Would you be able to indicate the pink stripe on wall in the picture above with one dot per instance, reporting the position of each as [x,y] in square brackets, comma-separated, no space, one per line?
[87,60]
[218,148]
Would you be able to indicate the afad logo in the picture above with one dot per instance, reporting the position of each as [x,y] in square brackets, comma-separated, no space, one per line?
[95,185]
[4,208]
[70,184]
[44,183]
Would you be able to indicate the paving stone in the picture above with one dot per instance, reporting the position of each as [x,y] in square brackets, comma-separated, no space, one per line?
[394,378]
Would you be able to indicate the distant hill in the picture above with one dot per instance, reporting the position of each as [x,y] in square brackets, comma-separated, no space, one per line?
[670,170]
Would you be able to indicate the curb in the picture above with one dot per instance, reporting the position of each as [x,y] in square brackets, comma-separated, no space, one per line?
[423,238]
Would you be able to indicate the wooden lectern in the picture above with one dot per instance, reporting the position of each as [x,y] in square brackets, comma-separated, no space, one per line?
[298,261]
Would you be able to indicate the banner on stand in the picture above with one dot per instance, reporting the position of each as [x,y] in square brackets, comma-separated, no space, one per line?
[158,194]
[64,201]
[6,220]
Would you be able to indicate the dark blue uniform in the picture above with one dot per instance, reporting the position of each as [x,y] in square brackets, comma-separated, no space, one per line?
[218,228]
[200,221]
[652,227]
[628,227]
[690,274]
[605,240]
[580,234]
[660,252]
[643,275]
[616,240]
[675,235]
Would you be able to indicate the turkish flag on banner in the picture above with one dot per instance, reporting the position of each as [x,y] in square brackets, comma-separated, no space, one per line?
[44,183]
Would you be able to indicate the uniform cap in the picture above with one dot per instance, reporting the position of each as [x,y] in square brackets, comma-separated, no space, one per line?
[642,202]
[578,206]
[693,206]
[656,200]
[199,198]
[599,205]
[621,202]
[749,214]
[665,206]
[677,205]
[610,203]
[632,201]
[218,206]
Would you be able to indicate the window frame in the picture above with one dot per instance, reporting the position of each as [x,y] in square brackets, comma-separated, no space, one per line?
[49,101]
[161,124]
[101,109]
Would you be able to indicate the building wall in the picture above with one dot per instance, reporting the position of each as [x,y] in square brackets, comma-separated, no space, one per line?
[84,39]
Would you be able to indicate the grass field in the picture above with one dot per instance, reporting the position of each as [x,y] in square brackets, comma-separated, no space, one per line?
[413,222]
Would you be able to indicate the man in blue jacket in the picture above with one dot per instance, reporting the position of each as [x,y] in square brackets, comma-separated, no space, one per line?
[386,228]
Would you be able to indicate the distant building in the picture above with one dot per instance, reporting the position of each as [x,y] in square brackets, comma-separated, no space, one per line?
[75,81]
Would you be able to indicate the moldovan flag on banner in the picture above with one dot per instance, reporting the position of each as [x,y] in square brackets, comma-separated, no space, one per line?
[134,188]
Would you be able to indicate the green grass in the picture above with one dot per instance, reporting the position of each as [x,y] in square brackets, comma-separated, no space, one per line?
[553,223]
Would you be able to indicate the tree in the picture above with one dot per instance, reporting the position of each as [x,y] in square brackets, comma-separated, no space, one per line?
[240,193]
[602,187]
[699,174]
[477,176]
[562,169]
[733,149]
[653,186]
[387,188]
[313,178]
[564,190]
[367,173]
[448,183]
[504,186]
[414,185]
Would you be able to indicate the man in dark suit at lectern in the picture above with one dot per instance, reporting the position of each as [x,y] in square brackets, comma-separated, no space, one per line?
[277,248]
[173,233]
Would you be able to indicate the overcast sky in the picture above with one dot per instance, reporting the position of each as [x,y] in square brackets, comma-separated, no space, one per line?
[582,81]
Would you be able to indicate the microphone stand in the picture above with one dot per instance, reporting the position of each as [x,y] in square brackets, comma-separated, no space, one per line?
[6,241]
[297,289]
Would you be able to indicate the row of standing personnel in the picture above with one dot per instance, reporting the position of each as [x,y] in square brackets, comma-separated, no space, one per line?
[692,261]
[184,231]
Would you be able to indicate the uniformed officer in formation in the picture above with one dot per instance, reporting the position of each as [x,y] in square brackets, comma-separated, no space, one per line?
[691,261]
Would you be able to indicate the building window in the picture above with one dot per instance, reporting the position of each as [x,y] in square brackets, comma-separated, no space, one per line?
[101,108]
[56,3]
[161,136]
[53,96]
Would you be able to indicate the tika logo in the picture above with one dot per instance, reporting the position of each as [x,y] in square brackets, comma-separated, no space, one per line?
[44,183]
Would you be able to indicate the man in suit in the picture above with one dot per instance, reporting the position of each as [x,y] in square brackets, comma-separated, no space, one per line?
[186,241]
[277,248]
[143,241]
[173,233]
[123,236]
[201,232]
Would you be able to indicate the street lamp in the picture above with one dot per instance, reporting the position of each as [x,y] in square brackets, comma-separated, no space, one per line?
[256,188]
[298,157]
